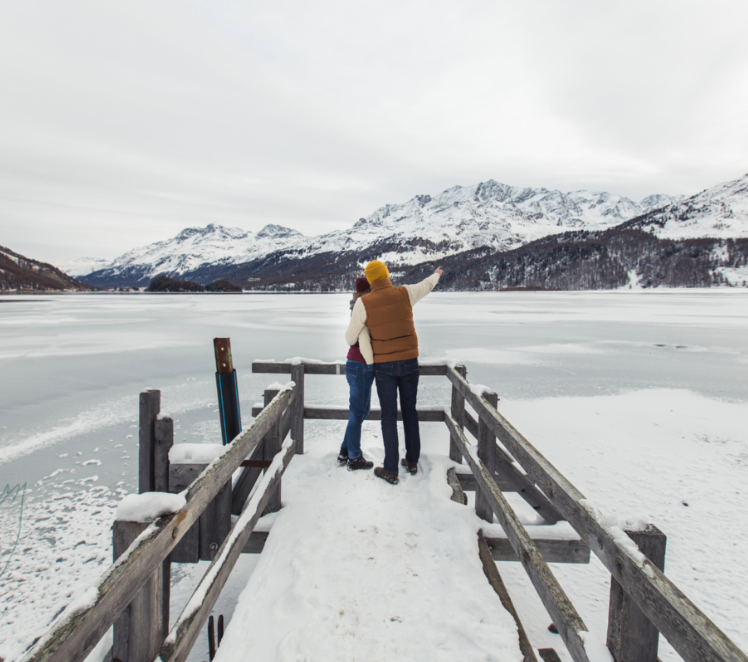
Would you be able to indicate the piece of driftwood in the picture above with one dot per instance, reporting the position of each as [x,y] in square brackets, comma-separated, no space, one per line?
[458,494]
[182,636]
[457,409]
[314,368]
[553,597]
[139,630]
[511,479]
[552,550]
[497,583]
[691,633]
[297,408]
[150,406]
[75,632]
[631,636]
[487,455]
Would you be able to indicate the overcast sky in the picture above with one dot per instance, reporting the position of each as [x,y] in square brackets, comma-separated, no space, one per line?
[123,122]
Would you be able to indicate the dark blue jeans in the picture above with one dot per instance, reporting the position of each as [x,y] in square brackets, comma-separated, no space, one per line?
[393,377]
[359,404]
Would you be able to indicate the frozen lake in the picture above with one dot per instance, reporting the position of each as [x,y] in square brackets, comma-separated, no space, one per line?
[640,398]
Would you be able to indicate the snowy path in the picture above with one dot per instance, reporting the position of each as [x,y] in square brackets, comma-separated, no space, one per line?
[357,569]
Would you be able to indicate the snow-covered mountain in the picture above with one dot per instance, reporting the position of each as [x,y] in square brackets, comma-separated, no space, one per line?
[80,266]
[461,218]
[719,212]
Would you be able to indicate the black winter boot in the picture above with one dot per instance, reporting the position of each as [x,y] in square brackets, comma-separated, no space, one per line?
[412,467]
[359,463]
[343,456]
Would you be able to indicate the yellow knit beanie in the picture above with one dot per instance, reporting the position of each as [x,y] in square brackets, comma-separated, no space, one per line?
[375,271]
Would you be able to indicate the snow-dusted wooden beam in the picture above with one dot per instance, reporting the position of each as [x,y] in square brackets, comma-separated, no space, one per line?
[690,632]
[79,628]
[570,625]
[313,367]
[427,414]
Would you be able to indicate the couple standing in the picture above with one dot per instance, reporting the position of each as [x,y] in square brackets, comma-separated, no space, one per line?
[384,346]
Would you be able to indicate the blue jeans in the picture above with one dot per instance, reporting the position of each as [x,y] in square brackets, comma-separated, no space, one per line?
[391,377]
[359,404]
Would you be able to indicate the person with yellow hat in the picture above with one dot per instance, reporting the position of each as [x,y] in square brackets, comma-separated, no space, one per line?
[387,311]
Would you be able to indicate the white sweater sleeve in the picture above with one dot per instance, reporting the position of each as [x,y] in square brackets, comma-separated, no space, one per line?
[420,290]
[364,344]
[357,324]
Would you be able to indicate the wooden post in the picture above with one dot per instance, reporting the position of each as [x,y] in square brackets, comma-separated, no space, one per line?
[163,441]
[272,446]
[631,637]
[181,476]
[458,406]
[215,523]
[297,408]
[139,631]
[228,390]
[487,455]
[150,405]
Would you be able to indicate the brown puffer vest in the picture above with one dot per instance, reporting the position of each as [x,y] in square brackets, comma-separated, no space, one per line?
[389,318]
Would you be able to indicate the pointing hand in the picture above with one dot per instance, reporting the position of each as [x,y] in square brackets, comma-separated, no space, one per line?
[439,271]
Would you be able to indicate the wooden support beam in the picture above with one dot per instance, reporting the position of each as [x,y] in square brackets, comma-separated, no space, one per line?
[425,414]
[336,368]
[271,447]
[691,633]
[553,597]
[458,410]
[487,455]
[75,632]
[631,636]
[256,542]
[552,550]
[297,408]
[150,406]
[494,578]
[182,636]
[163,441]
[511,479]
[139,630]
[215,523]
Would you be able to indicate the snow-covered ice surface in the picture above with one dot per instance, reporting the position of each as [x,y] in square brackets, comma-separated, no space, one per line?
[638,397]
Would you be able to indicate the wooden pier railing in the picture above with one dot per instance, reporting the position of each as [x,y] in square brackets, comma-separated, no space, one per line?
[133,594]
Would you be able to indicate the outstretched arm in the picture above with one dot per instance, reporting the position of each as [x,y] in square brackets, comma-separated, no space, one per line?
[420,290]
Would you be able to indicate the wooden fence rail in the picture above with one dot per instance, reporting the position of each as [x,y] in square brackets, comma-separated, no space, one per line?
[77,631]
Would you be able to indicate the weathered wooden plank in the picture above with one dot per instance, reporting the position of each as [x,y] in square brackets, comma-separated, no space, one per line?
[425,414]
[511,479]
[150,405]
[458,410]
[139,631]
[458,494]
[553,597]
[631,636]
[468,484]
[256,542]
[215,523]
[693,635]
[271,447]
[494,578]
[487,455]
[182,636]
[297,408]
[74,634]
[426,369]
[552,550]
[163,441]
[181,476]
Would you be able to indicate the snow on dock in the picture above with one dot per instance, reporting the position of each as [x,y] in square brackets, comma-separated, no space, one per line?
[357,569]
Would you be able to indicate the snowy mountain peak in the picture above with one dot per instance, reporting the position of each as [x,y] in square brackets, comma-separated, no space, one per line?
[277,232]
